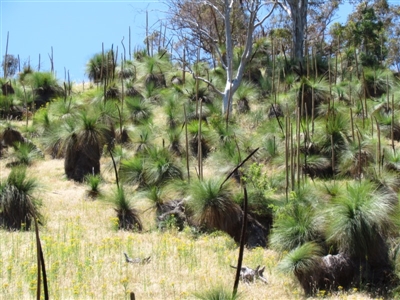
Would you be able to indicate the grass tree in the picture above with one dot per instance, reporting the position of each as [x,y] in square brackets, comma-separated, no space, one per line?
[56,135]
[160,167]
[332,134]
[100,66]
[296,223]
[213,207]
[151,69]
[203,138]
[173,106]
[131,170]
[127,215]
[174,139]
[217,293]
[359,222]
[45,87]
[18,205]
[246,93]
[153,167]
[143,137]
[302,262]
[109,117]
[84,147]
[140,111]
[25,154]
[356,158]
[155,194]
[93,181]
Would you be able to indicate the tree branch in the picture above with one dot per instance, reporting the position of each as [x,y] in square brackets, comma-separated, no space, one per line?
[204,80]
[285,8]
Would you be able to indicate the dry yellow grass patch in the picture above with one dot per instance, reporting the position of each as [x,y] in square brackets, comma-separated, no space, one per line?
[84,253]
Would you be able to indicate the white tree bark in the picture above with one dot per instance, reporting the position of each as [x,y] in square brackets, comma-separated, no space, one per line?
[234,77]
[255,19]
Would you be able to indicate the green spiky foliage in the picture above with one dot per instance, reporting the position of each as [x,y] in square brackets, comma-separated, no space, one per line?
[24,96]
[118,153]
[302,259]
[63,109]
[246,93]
[152,70]
[160,167]
[155,195]
[93,181]
[206,138]
[45,87]
[318,166]
[358,221]
[356,158]
[232,143]
[304,262]
[260,194]
[296,223]
[259,188]
[131,170]
[196,91]
[218,124]
[217,293]
[42,120]
[213,206]
[52,124]
[139,110]
[128,71]
[173,107]
[101,66]
[6,103]
[56,136]
[232,148]
[25,154]
[309,90]
[336,128]
[378,81]
[18,205]
[27,70]
[109,116]
[128,216]
[174,137]
[392,159]
[142,138]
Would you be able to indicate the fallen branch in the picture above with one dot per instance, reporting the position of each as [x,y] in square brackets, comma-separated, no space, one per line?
[249,275]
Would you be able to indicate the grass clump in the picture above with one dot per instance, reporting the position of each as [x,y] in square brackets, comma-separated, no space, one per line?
[18,206]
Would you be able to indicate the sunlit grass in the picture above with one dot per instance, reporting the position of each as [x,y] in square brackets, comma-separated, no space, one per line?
[84,253]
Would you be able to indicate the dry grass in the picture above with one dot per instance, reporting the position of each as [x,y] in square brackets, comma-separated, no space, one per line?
[84,253]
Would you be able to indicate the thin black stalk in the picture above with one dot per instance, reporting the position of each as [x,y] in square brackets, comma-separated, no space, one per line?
[187,144]
[242,242]
[115,167]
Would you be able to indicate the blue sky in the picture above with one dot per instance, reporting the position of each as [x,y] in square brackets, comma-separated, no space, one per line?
[77,29]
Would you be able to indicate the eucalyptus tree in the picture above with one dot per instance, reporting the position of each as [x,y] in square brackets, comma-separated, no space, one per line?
[10,63]
[373,28]
[307,21]
[222,42]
